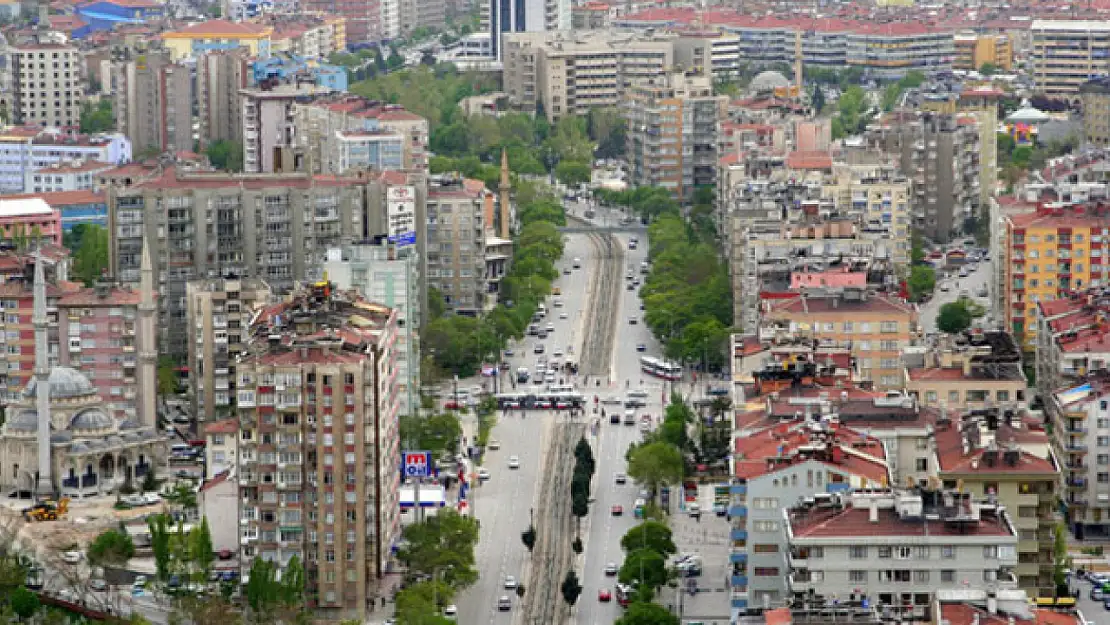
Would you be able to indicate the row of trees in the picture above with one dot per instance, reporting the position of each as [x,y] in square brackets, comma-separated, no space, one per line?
[659,459]
[584,468]
[438,554]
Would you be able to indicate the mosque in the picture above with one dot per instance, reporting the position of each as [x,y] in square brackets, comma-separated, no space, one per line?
[60,438]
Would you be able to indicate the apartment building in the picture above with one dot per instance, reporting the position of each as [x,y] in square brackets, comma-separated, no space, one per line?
[975,371]
[892,50]
[673,125]
[1050,252]
[268,127]
[221,453]
[65,176]
[1073,339]
[205,225]
[897,549]
[875,327]
[303,491]
[590,16]
[28,223]
[48,83]
[321,123]
[218,314]
[939,153]
[153,102]
[1095,96]
[422,13]
[982,104]
[456,252]
[215,35]
[712,54]
[1068,53]
[307,36]
[221,75]
[974,50]
[382,272]
[504,18]
[24,151]
[369,149]
[1015,468]
[774,468]
[361,20]
[568,73]
[1081,428]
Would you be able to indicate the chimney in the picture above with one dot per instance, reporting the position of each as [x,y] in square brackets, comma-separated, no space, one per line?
[873,512]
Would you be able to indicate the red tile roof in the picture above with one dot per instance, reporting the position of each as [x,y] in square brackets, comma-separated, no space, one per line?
[809,160]
[220,478]
[224,426]
[855,522]
[952,459]
[779,616]
[779,446]
[89,297]
[967,614]
[816,305]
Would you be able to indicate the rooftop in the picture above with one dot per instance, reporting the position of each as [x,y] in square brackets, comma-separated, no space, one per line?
[960,449]
[24,207]
[224,426]
[848,303]
[783,445]
[900,514]
[220,29]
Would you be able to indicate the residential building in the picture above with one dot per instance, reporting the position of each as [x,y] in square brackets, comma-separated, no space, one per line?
[422,14]
[897,549]
[974,50]
[107,14]
[76,207]
[1007,608]
[1095,96]
[65,176]
[221,449]
[312,36]
[975,371]
[774,468]
[31,221]
[673,122]
[215,35]
[982,104]
[330,373]
[1023,477]
[154,102]
[892,50]
[48,83]
[1051,252]
[1081,436]
[286,68]
[274,228]
[361,19]
[25,150]
[218,501]
[370,149]
[321,123]
[383,272]
[715,55]
[1073,339]
[1068,53]
[268,127]
[565,73]
[876,327]
[221,75]
[455,258]
[503,18]
[389,18]
[218,311]
[590,16]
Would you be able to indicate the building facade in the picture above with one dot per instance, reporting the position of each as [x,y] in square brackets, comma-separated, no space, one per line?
[216,35]
[24,151]
[220,77]
[505,17]
[322,124]
[1080,417]
[154,102]
[1095,96]
[268,127]
[48,84]
[1068,53]
[974,50]
[456,227]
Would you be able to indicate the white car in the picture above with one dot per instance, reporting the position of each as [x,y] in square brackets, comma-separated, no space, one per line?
[484,474]
[557,353]
[620,478]
[72,557]
[494,444]
[510,582]
[451,611]
[563,315]
[514,462]
[152,499]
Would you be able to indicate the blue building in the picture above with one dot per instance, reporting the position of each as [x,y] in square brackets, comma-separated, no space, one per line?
[105,14]
[287,68]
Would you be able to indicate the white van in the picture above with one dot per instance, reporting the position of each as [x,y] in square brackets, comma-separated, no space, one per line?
[542,310]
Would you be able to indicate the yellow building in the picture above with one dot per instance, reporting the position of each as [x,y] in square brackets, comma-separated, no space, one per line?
[216,35]
[974,50]
[1049,252]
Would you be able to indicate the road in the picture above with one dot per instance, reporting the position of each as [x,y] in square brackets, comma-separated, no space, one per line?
[1094,611]
[977,280]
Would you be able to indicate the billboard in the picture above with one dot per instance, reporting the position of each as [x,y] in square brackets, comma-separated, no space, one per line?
[401,215]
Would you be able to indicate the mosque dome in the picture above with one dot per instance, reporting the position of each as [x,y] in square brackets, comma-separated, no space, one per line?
[91,420]
[23,421]
[65,383]
[768,81]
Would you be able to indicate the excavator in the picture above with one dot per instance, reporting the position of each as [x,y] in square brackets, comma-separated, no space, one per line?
[48,510]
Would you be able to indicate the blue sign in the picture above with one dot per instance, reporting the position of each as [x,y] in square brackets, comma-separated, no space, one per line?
[407,238]
[416,463]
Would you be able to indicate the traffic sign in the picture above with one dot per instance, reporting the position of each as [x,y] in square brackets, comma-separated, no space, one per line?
[416,463]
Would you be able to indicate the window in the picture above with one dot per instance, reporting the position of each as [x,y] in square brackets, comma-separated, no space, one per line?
[902,552]
[857,576]
[947,552]
[921,577]
[765,548]
[766,571]
[990,552]
[857,552]
[921,465]
[885,552]
[765,526]
[765,503]
[948,576]
[895,575]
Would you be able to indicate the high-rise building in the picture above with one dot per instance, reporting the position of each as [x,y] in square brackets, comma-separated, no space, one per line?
[154,102]
[24,151]
[456,244]
[1095,95]
[268,128]
[525,16]
[1076,412]
[329,127]
[384,273]
[974,50]
[673,125]
[318,457]
[1068,53]
[220,77]
[48,83]
[363,17]
[422,14]
[218,314]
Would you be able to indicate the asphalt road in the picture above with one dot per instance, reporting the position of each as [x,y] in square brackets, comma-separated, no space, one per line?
[977,280]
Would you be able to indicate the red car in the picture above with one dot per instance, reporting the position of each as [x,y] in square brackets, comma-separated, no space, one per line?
[562,405]
[544,405]
[604,595]
[617,510]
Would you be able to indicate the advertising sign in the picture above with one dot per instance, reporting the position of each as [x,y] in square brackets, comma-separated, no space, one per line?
[416,463]
[401,215]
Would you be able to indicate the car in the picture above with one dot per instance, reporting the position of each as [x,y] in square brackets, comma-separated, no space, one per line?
[514,462]
[640,347]
[504,604]
[152,499]
[604,596]
[558,303]
[181,419]
[638,393]
[558,353]
[577,263]
[566,271]
[1096,593]
[642,306]
[720,508]
[611,569]
[493,443]
[538,349]
[510,582]
[611,400]
[620,478]
[631,287]
[563,314]
[694,510]
[543,404]
[550,328]
[509,353]
[542,334]
[484,474]
[614,417]
[71,557]
[945,287]
[617,510]
[140,581]
[632,321]
[1106,604]
[98,584]
[451,611]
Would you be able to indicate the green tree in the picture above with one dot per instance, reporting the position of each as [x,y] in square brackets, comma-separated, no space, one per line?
[656,464]
[226,155]
[917,250]
[422,603]
[443,545]
[97,117]
[24,603]
[607,128]
[91,259]
[572,173]
[201,551]
[528,537]
[988,69]
[159,525]
[643,613]
[263,591]
[167,376]
[437,433]
[1060,560]
[644,566]
[817,99]
[954,317]
[571,588]
[651,535]
[111,548]
[395,61]
[921,282]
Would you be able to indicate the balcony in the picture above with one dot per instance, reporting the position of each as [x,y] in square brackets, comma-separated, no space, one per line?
[1077,482]
[738,558]
[738,535]
[739,581]
[1077,448]
[738,511]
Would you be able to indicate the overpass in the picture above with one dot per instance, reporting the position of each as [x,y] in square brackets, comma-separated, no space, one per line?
[641,230]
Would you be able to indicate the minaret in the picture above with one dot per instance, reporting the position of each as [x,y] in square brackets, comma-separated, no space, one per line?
[146,406]
[44,488]
[503,189]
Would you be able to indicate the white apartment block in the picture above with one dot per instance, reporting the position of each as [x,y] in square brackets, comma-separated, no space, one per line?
[49,84]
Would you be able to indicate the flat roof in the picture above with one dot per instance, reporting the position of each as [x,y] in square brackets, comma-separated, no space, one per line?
[23,207]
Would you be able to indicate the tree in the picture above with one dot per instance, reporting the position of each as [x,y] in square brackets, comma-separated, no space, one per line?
[651,535]
[571,588]
[421,603]
[644,566]
[528,537]
[395,61]
[167,376]
[226,155]
[24,603]
[159,525]
[263,592]
[643,613]
[988,69]
[97,117]
[111,548]
[922,281]
[954,317]
[91,259]
[1060,560]
[443,545]
[656,464]
[817,99]
[437,433]
[572,173]
[201,550]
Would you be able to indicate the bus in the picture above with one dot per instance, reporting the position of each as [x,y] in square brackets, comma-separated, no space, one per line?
[1061,604]
[660,368]
[540,399]
[624,594]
